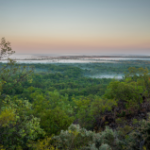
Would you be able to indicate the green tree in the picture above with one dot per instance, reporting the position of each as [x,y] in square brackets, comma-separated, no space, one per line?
[5,49]
[54,111]
[11,73]
[17,126]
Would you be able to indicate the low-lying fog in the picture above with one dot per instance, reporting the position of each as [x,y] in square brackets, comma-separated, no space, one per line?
[89,63]
[73,59]
[59,61]
[109,76]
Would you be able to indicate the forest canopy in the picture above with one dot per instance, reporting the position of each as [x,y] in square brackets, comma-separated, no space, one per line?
[60,106]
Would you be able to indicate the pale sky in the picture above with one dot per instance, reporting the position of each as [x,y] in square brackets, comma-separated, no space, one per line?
[76,26]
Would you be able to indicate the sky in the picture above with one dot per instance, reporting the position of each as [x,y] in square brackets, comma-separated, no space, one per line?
[76,27]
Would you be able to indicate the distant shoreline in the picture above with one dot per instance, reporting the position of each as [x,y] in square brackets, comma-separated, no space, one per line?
[79,59]
[32,57]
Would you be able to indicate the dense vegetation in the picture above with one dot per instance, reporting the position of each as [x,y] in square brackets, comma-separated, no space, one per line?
[61,107]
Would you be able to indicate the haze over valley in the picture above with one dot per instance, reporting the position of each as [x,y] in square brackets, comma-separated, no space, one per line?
[74,74]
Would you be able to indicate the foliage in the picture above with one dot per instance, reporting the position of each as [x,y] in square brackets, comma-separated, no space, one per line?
[141,136]
[124,91]
[44,144]
[6,49]
[11,73]
[54,111]
[89,109]
[79,138]
[59,105]
[73,138]
[17,127]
